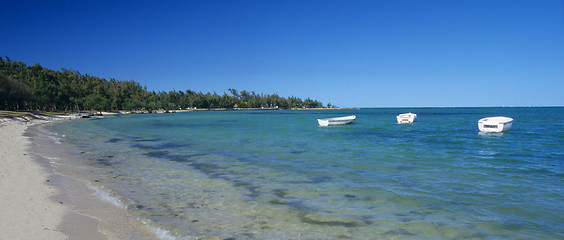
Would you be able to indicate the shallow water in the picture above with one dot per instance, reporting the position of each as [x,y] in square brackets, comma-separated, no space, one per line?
[278,175]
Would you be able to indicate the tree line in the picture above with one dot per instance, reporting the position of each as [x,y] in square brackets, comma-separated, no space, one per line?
[34,87]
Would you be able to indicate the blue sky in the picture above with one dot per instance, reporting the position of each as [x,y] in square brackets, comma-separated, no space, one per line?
[348,53]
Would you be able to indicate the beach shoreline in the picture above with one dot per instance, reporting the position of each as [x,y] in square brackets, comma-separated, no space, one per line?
[30,208]
[41,202]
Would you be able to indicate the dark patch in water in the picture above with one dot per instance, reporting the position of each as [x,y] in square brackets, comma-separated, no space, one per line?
[350,196]
[160,146]
[195,205]
[185,158]
[296,148]
[115,140]
[179,158]
[141,146]
[138,139]
[157,154]
[344,237]
[213,170]
[404,167]
[253,190]
[248,235]
[173,145]
[297,151]
[321,179]
[176,158]
[419,213]
[512,225]
[210,169]
[104,162]
[398,232]
[277,202]
[282,193]
[206,167]
[307,220]
[194,155]
[367,221]
[228,121]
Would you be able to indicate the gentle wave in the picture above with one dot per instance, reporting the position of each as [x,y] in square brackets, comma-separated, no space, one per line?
[167,235]
[106,196]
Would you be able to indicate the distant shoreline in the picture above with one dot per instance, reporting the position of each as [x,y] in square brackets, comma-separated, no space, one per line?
[30,115]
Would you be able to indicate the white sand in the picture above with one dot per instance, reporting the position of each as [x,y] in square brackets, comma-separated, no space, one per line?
[28,205]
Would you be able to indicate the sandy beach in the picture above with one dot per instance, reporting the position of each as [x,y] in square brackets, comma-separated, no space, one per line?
[40,201]
[30,209]
[36,202]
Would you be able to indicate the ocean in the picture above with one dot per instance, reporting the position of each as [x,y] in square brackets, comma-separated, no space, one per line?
[278,175]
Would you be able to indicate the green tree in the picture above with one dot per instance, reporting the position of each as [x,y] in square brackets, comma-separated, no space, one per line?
[13,94]
[34,87]
[96,102]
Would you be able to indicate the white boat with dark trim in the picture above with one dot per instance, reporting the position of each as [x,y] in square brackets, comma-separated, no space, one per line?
[336,121]
[495,124]
[406,117]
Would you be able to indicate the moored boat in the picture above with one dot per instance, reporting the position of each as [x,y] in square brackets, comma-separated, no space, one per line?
[406,117]
[336,121]
[495,124]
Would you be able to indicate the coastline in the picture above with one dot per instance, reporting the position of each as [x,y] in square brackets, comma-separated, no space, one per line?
[203,207]
[40,201]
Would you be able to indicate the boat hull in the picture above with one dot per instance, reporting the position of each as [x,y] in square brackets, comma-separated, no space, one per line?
[406,117]
[336,121]
[495,124]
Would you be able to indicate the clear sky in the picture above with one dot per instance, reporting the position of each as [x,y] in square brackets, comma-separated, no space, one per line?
[349,53]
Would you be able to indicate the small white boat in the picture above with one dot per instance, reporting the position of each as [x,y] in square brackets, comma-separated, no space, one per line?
[406,117]
[336,121]
[495,124]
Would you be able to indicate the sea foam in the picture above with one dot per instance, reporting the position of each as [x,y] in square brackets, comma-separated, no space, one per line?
[106,196]
[167,235]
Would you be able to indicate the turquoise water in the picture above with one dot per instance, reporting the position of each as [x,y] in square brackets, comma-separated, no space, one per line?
[278,175]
